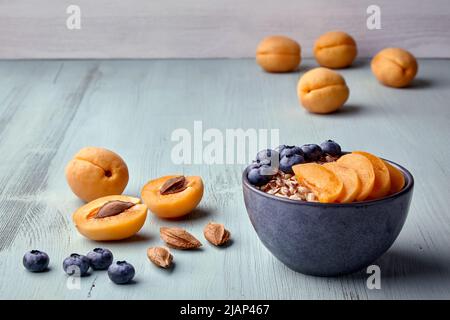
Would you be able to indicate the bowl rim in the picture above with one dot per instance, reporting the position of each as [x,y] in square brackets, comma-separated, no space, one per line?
[409,183]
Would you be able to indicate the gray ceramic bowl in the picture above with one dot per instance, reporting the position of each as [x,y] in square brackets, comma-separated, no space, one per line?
[327,239]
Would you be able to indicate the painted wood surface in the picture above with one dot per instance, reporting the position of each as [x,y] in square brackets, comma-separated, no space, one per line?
[220,28]
[50,109]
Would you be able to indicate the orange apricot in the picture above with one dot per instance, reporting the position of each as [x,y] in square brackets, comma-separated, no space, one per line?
[382,183]
[110,218]
[364,170]
[96,172]
[173,196]
[397,178]
[350,179]
[326,186]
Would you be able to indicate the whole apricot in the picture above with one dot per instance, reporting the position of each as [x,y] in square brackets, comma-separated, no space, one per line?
[173,196]
[278,54]
[96,172]
[322,90]
[114,217]
[394,67]
[335,49]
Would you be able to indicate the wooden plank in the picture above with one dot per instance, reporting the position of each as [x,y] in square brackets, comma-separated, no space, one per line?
[50,109]
[211,29]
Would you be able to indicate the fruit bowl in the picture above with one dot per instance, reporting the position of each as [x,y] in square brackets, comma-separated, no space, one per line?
[327,239]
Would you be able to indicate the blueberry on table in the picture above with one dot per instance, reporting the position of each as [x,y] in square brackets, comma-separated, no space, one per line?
[121,272]
[312,152]
[330,147]
[36,261]
[100,259]
[267,154]
[291,150]
[76,264]
[288,161]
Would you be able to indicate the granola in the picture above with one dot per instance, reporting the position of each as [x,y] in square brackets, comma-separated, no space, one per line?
[285,185]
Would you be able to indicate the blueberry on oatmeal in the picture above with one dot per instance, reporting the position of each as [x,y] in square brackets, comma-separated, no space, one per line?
[259,174]
[331,148]
[291,150]
[267,154]
[288,161]
[312,152]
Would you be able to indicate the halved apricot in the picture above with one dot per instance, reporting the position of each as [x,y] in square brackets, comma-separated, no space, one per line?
[350,179]
[323,182]
[173,196]
[382,183]
[364,170]
[110,218]
[397,178]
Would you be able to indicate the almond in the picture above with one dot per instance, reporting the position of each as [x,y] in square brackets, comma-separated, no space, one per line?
[216,233]
[179,238]
[160,256]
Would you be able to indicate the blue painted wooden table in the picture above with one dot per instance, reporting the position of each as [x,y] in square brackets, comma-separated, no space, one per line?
[50,109]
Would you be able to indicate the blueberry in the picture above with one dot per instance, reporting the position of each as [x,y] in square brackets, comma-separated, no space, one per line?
[280,148]
[290,150]
[312,152]
[267,154]
[330,147]
[76,264]
[121,272]
[100,259]
[287,162]
[35,261]
[257,176]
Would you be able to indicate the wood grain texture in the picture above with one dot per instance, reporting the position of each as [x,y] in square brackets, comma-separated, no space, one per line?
[50,109]
[220,28]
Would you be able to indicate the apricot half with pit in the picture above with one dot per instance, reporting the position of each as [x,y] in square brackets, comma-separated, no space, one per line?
[326,186]
[173,196]
[96,172]
[110,218]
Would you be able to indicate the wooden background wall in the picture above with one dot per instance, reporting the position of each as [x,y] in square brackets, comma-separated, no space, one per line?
[213,28]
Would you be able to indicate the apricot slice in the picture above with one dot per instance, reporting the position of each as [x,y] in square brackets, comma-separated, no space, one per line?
[350,179]
[382,183]
[173,196]
[326,186]
[364,170]
[397,178]
[110,218]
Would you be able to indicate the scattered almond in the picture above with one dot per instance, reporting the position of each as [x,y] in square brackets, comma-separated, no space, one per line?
[216,233]
[179,238]
[160,256]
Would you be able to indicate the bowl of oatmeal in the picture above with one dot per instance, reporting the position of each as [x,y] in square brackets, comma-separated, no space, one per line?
[324,238]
